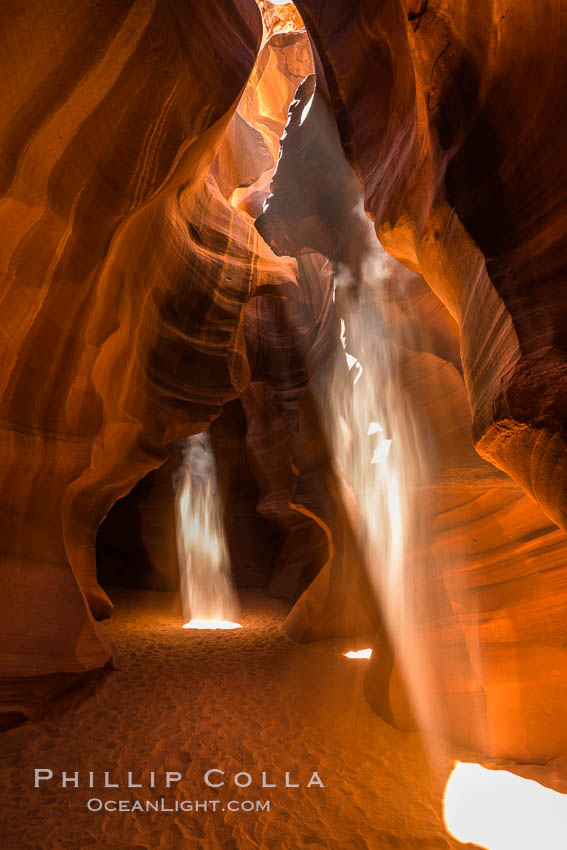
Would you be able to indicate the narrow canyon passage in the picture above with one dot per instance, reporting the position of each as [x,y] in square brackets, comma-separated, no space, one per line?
[284,350]
[249,700]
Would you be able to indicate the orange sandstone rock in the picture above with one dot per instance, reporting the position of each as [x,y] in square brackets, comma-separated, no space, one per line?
[125,273]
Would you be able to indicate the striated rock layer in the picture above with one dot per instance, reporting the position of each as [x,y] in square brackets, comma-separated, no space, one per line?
[284,515]
[481,656]
[140,242]
[125,273]
[271,544]
[139,305]
[450,115]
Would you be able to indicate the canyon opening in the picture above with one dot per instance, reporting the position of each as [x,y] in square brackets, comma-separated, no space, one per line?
[284,542]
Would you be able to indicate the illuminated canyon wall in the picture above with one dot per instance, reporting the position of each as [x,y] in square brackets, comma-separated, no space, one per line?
[152,289]
[449,113]
[125,272]
[125,276]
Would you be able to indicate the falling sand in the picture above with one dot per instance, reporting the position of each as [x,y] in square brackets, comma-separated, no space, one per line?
[245,700]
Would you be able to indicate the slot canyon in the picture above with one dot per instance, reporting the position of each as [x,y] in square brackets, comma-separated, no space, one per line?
[283,373]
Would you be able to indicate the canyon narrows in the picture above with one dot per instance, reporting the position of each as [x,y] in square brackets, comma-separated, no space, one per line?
[283,349]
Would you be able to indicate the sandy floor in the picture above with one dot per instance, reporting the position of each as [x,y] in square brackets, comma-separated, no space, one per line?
[248,700]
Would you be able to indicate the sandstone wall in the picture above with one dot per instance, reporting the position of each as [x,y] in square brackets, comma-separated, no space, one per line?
[124,275]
